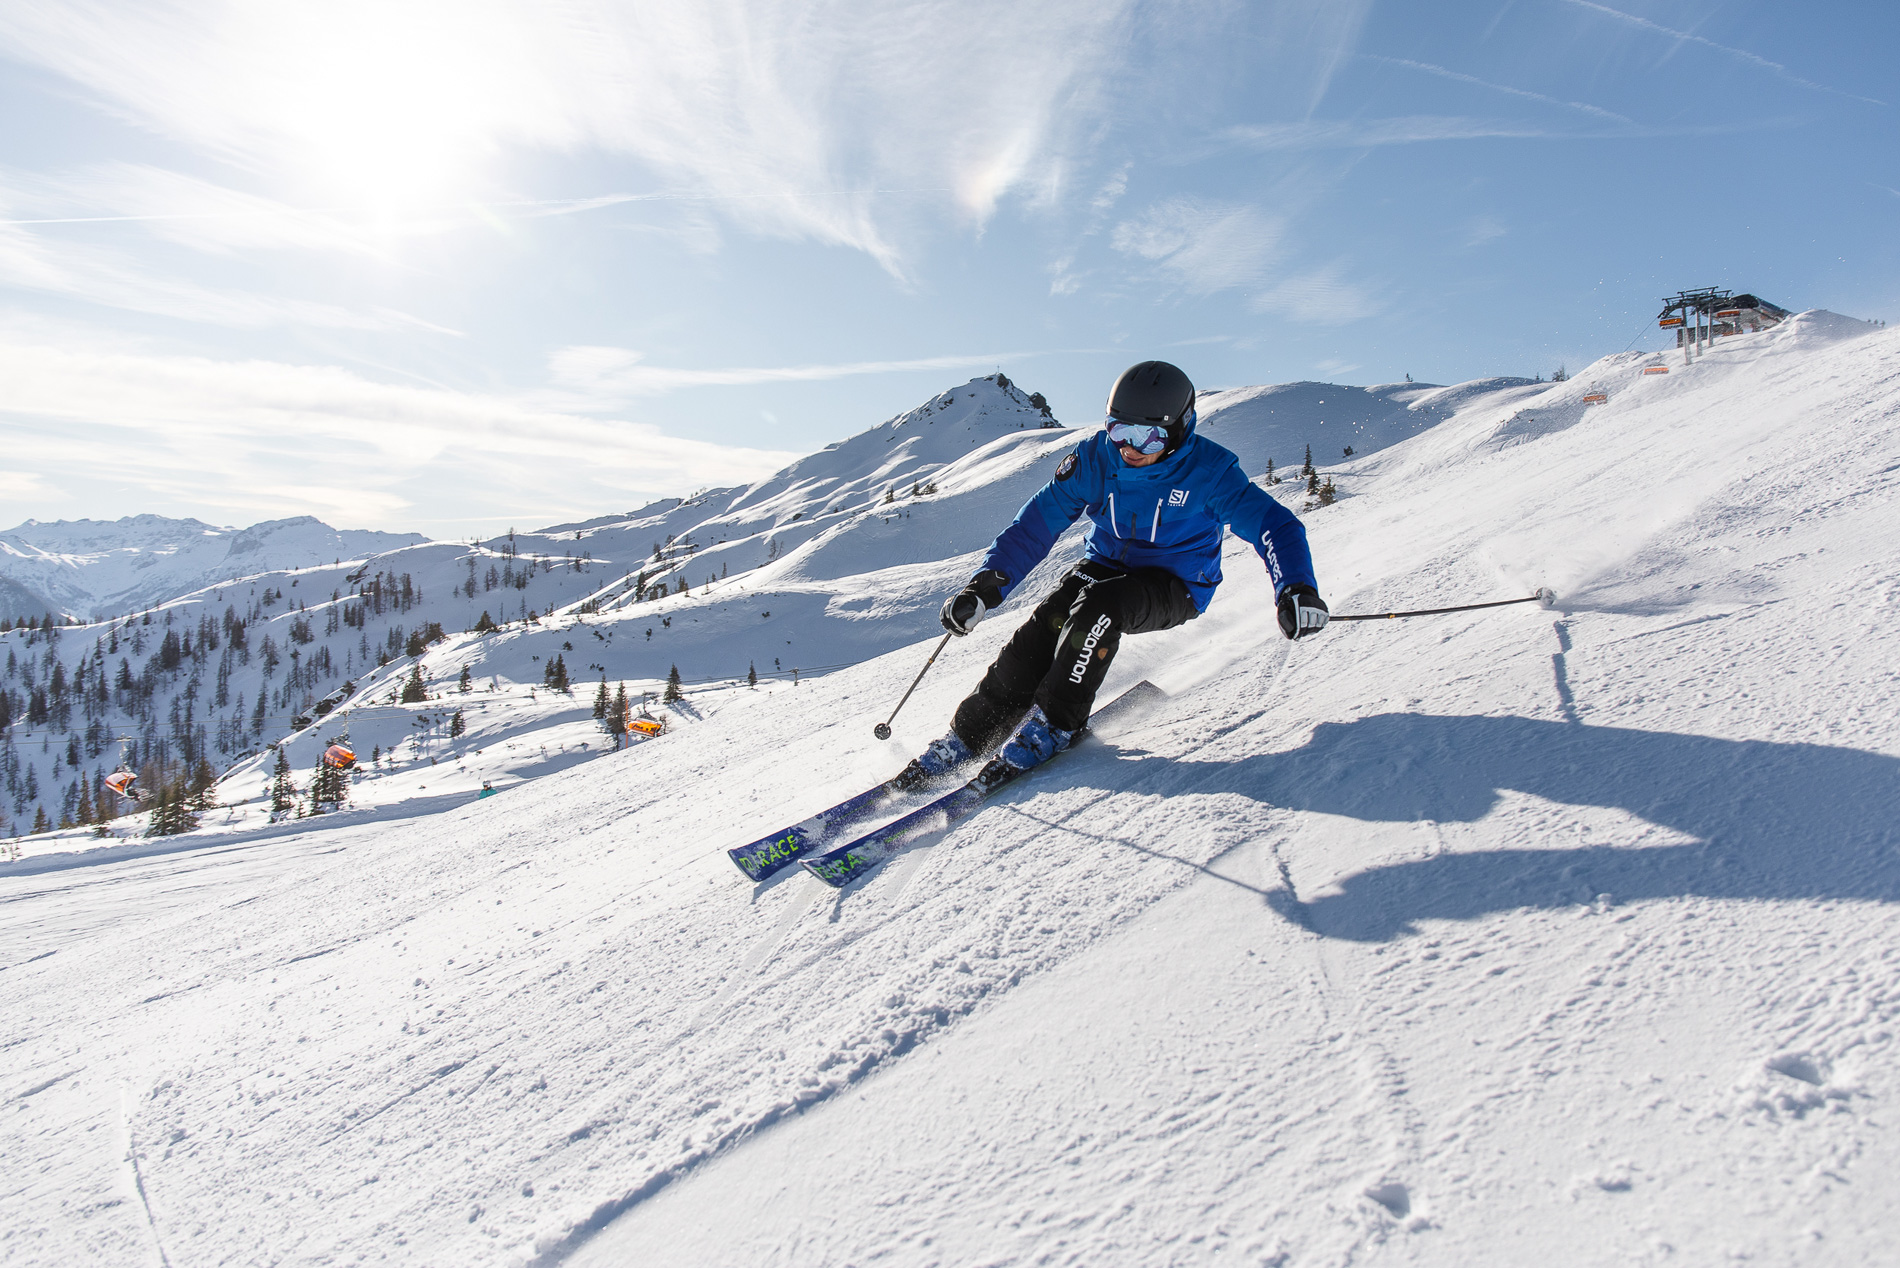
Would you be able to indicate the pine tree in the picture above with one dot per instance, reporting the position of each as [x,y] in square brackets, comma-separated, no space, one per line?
[601,700]
[283,790]
[457,724]
[751,675]
[1307,470]
[328,786]
[1272,479]
[486,625]
[86,812]
[1327,493]
[413,691]
[615,720]
[673,692]
[172,814]
[204,785]
[557,674]
[41,823]
[466,683]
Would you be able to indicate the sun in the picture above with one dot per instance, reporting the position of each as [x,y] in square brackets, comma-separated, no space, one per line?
[381,110]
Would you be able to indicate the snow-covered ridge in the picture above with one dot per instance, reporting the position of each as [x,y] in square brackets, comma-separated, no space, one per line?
[93,569]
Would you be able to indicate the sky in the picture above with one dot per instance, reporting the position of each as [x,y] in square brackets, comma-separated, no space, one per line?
[451,267]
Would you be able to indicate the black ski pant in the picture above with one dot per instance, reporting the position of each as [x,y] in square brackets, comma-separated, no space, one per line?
[1059,656]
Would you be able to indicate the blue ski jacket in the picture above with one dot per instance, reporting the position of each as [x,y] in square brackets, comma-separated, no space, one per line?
[1168,515]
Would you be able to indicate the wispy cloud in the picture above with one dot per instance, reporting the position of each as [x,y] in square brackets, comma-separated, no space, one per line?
[1322,296]
[181,209]
[36,254]
[797,127]
[238,439]
[599,377]
[1341,134]
[1460,77]
[1209,245]
[1483,229]
[21,484]
[115,280]
[1739,54]
[1322,34]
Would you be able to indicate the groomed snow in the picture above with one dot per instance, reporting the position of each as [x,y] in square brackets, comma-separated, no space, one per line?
[1514,936]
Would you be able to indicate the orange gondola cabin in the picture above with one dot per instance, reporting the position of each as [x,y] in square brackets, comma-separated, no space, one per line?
[120,782]
[339,756]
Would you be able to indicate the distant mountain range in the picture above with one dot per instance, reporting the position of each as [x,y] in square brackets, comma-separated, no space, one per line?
[93,569]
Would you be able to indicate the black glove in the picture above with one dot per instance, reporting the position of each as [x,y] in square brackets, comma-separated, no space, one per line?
[1302,611]
[967,606]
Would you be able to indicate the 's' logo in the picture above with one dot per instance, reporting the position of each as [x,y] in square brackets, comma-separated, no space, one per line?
[1177,497]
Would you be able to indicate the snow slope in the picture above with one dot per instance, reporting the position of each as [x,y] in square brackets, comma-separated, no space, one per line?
[1509,936]
[1281,421]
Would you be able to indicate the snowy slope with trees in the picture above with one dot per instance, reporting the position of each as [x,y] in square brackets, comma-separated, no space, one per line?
[1512,935]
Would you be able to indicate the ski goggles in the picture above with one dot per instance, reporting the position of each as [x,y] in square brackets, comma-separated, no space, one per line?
[1143,438]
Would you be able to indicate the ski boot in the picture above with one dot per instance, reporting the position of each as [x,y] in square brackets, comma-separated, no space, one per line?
[1033,743]
[942,757]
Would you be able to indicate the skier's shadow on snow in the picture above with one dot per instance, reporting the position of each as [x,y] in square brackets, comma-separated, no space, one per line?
[1770,821]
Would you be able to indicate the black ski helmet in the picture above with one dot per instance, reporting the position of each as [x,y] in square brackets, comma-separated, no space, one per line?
[1155,392]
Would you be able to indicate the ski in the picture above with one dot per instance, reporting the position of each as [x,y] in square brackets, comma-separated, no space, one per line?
[771,854]
[839,867]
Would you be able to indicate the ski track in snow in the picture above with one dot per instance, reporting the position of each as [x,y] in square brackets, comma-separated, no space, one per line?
[1487,938]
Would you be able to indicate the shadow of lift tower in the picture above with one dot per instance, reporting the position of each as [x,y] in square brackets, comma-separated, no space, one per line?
[1701,316]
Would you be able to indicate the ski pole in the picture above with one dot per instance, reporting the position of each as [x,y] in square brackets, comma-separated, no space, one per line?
[1542,596]
[883,729]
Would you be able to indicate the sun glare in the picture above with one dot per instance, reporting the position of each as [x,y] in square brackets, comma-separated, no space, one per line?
[382,110]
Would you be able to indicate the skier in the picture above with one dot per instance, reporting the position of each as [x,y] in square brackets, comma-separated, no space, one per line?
[1158,497]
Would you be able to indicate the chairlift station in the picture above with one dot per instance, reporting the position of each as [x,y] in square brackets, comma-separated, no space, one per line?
[1701,316]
